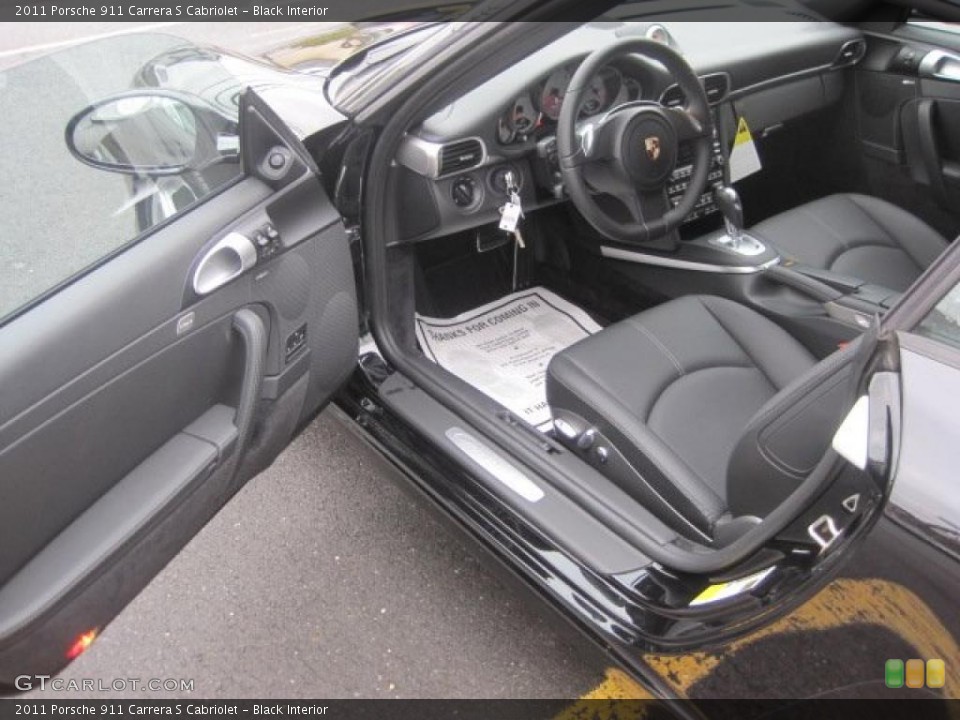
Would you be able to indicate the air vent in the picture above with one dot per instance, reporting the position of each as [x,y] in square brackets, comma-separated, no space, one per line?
[673,97]
[716,86]
[851,53]
[461,155]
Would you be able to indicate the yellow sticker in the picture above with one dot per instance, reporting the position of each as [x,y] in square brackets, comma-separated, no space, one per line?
[743,133]
[744,159]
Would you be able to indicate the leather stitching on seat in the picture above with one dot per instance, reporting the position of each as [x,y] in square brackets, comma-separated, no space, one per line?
[870,217]
[740,345]
[656,341]
[867,243]
[816,218]
[871,220]
[663,391]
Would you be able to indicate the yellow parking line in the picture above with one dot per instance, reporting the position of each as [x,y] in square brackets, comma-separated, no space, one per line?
[602,703]
[841,603]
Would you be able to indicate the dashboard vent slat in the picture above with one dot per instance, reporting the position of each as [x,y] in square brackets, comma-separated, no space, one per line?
[851,53]
[717,87]
[460,155]
[673,97]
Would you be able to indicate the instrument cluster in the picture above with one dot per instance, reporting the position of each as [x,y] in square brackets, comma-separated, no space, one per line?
[539,107]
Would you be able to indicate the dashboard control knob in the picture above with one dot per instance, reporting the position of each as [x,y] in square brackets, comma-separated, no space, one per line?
[464,192]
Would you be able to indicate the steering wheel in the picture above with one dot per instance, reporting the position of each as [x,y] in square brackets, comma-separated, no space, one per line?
[631,151]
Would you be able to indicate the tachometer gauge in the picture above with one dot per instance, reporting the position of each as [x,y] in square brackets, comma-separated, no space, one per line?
[596,96]
[524,116]
[555,89]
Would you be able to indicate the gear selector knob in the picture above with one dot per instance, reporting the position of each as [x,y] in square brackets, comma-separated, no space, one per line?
[734,239]
[728,200]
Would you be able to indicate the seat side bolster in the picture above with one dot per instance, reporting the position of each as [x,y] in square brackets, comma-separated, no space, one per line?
[788,436]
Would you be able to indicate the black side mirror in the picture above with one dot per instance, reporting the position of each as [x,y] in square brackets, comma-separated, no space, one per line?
[141,132]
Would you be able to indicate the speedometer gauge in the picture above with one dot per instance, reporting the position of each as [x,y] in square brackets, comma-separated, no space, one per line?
[523,117]
[505,132]
[555,89]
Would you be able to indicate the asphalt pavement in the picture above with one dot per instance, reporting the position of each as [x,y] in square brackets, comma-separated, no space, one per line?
[322,578]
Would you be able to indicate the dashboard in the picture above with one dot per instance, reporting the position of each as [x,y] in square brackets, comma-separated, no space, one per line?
[454,163]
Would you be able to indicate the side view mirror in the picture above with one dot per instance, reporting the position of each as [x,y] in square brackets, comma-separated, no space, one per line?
[141,132]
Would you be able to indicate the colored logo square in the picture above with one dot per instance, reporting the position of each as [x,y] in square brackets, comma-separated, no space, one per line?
[915,673]
[936,673]
[893,673]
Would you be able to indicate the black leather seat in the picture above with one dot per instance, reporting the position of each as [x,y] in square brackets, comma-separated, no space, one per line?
[692,408]
[858,236]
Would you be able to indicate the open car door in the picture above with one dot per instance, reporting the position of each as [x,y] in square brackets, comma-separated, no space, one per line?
[139,396]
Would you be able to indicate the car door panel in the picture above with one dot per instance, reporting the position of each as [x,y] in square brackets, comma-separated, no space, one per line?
[931,144]
[907,124]
[133,407]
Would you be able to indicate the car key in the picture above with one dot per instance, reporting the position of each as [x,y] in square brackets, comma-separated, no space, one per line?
[510,216]
[512,213]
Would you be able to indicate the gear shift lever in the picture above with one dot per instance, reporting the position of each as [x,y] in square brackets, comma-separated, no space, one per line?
[728,200]
[735,239]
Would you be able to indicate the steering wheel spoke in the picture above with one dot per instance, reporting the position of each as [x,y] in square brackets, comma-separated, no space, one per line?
[685,125]
[646,207]
[589,147]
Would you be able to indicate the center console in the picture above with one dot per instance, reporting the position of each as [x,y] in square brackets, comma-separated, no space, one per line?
[679,180]
[821,308]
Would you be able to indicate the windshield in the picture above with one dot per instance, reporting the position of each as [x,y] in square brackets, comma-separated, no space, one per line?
[380,64]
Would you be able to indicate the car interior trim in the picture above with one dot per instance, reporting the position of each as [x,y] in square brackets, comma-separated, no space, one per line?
[423,156]
[642,258]
[502,470]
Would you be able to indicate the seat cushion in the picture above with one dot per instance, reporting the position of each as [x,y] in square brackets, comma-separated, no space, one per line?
[856,235]
[672,389]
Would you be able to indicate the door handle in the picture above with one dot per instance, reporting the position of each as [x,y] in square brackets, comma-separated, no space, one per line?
[253,333]
[232,256]
[929,148]
[918,120]
[940,65]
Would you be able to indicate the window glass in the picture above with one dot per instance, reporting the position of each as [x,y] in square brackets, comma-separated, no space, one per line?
[101,142]
[943,323]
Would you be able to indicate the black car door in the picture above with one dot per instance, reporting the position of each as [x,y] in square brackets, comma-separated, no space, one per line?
[140,391]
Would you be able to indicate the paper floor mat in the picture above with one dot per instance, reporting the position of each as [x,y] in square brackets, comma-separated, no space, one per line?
[503,348]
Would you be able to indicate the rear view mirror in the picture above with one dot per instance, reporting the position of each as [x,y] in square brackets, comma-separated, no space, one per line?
[141,133]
